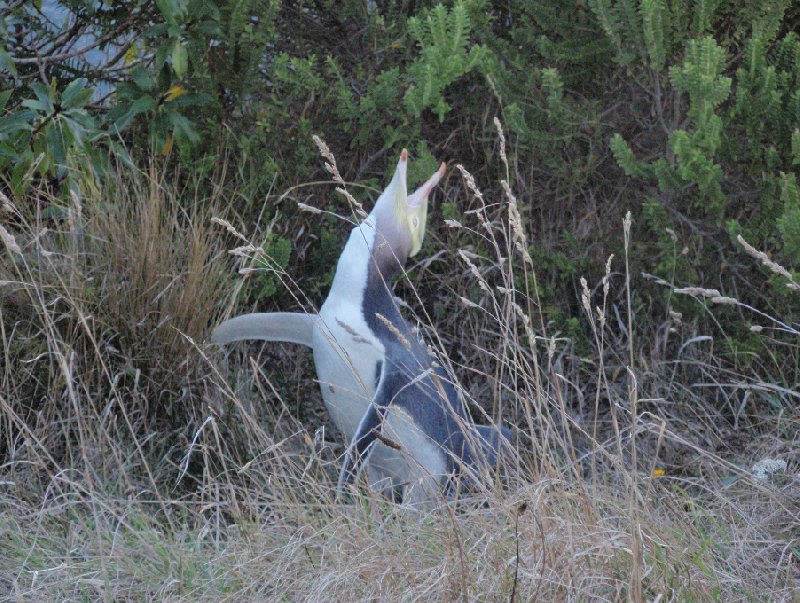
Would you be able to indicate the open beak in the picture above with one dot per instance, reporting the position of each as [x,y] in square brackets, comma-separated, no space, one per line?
[399,182]
[416,209]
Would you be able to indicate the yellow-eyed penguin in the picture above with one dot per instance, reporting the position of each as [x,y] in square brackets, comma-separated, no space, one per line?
[415,404]
[347,355]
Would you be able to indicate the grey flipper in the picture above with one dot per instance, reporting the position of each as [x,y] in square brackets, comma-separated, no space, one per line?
[291,327]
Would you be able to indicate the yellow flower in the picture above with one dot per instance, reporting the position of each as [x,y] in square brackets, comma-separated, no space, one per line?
[130,54]
[658,473]
[173,93]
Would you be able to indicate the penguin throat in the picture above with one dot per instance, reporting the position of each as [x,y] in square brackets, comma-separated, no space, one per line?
[379,296]
[385,259]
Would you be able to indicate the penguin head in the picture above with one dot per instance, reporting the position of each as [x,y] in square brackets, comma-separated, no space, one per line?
[400,218]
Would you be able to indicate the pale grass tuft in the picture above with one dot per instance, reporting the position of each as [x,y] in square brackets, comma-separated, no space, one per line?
[601,317]
[502,139]
[5,203]
[309,208]
[728,301]
[607,275]
[229,227]
[522,314]
[515,221]
[76,213]
[585,297]
[698,292]
[333,170]
[465,255]
[656,279]
[395,331]
[330,166]
[9,241]
[764,259]
[469,180]
[468,303]
[246,251]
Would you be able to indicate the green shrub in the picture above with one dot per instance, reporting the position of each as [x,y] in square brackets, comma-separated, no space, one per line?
[686,113]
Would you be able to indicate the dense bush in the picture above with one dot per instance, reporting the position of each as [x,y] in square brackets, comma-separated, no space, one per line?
[687,114]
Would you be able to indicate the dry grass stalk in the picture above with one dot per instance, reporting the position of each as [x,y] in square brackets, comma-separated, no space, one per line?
[395,331]
[333,170]
[90,508]
[9,241]
[229,227]
[309,208]
[764,259]
[698,292]
[5,203]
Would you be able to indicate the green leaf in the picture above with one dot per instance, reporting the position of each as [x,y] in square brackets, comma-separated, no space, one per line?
[173,10]
[184,128]
[76,94]
[4,96]
[157,30]
[180,59]
[43,95]
[143,104]
[6,63]
[36,105]
[16,122]
[76,129]
[20,175]
[143,79]
[56,150]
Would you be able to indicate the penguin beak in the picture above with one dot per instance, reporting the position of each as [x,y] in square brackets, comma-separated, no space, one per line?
[416,210]
[409,212]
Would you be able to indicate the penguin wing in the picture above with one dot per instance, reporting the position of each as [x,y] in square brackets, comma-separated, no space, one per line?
[291,327]
[362,444]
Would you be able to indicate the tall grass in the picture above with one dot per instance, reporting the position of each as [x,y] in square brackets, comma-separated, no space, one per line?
[137,465]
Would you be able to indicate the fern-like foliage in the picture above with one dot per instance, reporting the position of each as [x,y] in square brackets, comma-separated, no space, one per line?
[789,221]
[610,16]
[655,19]
[703,12]
[445,56]
[626,158]
[700,77]
[758,99]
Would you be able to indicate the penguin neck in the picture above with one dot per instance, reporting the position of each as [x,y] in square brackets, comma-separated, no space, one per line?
[378,299]
[366,270]
[385,262]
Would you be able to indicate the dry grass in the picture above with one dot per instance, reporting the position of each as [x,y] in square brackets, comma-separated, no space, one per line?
[133,470]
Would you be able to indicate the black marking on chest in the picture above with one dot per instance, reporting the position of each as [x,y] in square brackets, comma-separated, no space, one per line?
[377,299]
